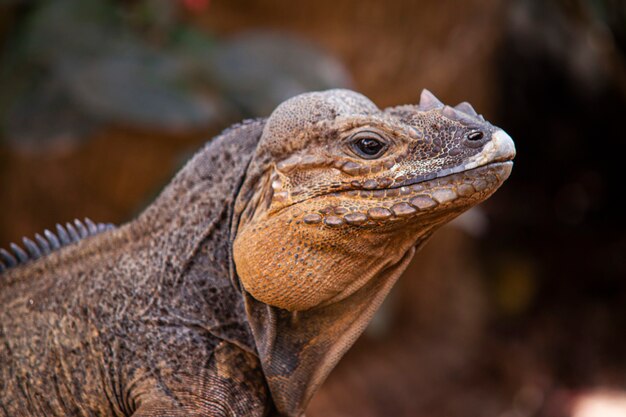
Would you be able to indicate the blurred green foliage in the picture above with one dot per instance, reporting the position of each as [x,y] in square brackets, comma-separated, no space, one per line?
[69,66]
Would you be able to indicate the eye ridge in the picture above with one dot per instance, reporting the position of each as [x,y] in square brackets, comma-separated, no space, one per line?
[368,145]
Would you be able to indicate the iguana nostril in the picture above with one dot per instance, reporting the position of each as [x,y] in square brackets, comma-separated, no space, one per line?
[475,135]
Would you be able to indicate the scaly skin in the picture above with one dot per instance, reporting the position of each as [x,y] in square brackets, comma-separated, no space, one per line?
[237,291]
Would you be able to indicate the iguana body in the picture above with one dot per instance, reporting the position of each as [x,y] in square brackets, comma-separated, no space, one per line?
[241,286]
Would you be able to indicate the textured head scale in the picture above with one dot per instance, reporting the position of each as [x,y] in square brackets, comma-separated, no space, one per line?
[345,190]
[286,130]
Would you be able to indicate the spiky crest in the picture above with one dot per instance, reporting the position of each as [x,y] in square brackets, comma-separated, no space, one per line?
[49,242]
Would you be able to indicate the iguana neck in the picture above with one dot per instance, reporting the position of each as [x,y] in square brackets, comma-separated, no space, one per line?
[299,349]
[199,200]
[187,230]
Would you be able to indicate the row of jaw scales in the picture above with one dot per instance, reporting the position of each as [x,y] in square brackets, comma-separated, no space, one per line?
[370,208]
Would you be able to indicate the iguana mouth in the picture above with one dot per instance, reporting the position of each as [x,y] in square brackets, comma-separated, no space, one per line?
[446,173]
[415,198]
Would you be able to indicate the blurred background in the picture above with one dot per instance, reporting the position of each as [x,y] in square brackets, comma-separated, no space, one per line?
[517,309]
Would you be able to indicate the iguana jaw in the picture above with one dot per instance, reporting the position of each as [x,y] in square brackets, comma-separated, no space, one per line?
[319,252]
[413,200]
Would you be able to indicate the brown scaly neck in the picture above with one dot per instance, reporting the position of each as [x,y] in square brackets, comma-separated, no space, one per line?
[299,349]
[188,233]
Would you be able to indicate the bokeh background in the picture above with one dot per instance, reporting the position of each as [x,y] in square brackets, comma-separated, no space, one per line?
[517,309]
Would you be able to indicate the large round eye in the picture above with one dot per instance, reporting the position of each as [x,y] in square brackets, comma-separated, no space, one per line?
[368,145]
[475,135]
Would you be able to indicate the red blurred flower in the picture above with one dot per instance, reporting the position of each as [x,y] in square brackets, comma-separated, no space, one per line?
[196,6]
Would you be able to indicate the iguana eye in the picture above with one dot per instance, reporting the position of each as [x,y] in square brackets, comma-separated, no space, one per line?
[475,135]
[368,145]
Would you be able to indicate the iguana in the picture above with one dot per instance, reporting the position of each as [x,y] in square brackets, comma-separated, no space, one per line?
[237,291]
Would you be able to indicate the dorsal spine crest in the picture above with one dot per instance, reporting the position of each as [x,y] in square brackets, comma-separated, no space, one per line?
[49,242]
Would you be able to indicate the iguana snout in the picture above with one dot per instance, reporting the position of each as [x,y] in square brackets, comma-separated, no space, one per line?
[347,189]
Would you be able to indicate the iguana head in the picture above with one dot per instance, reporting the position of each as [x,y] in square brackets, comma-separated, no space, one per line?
[343,190]
[336,199]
